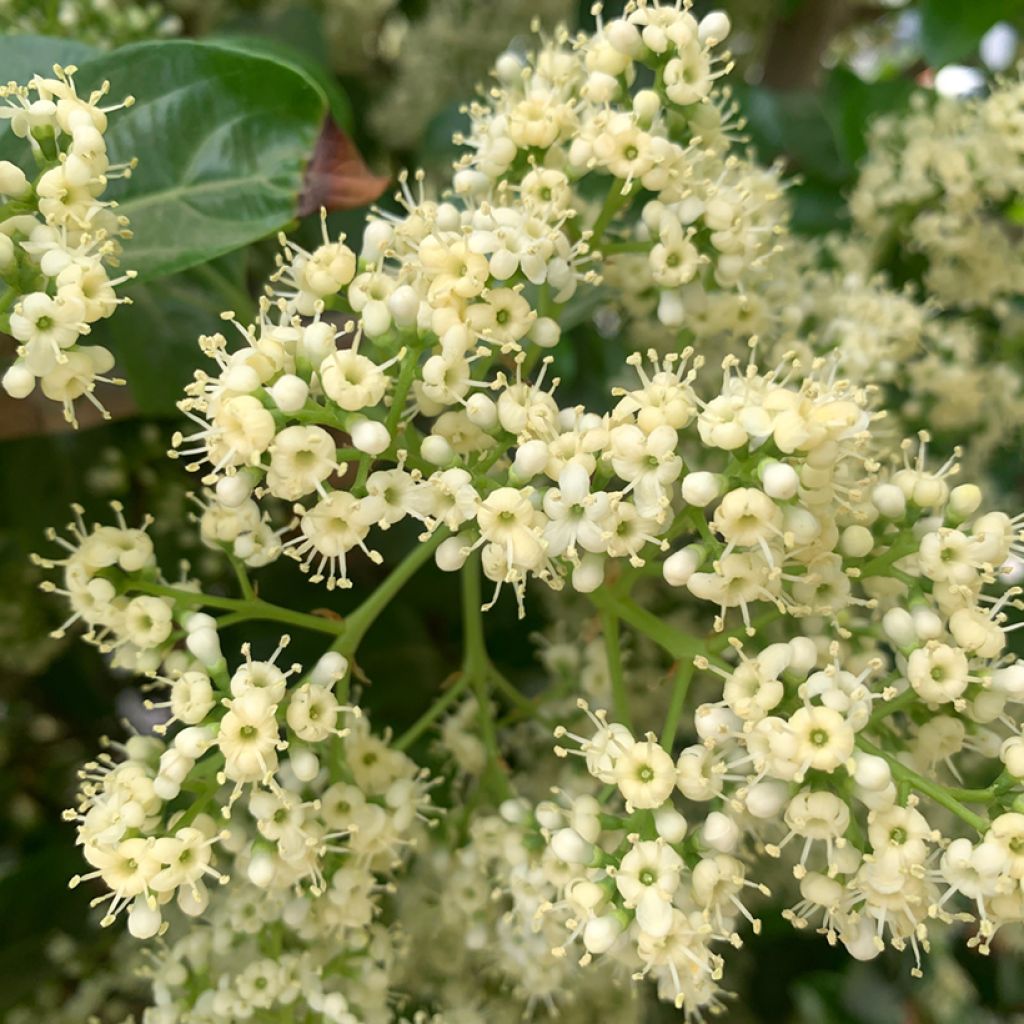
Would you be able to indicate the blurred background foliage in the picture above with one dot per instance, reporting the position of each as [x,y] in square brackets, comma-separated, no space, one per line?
[811,74]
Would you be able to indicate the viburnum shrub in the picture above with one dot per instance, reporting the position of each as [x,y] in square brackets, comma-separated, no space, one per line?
[779,664]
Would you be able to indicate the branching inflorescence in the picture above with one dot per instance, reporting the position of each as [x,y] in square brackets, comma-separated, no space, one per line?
[833,595]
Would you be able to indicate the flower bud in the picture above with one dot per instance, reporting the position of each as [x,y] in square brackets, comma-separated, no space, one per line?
[646,106]
[508,69]
[451,553]
[545,332]
[481,411]
[670,824]
[143,920]
[241,377]
[927,623]
[766,800]
[376,318]
[261,869]
[19,381]
[531,458]
[404,304]
[856,541]
[671,312]
[289,392]
[898,625]
[199,620]
[779,480]
[369,436]
[720,832]
[871,772]
[13,182]
[889,500]
[515,812]
[233,491]
[468,182]
[803,655]
[317,340]
[194,741]
[329,669]
[600,933]
[681,565]
[569,846]
[204,644]
[436,450]
[700,488]
[714,28]
[624,36]
[585,894]
[964,501]
[1010,680]
[549,815]
[304,764]
[589,574]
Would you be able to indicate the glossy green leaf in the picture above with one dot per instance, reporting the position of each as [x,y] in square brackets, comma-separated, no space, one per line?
[795,125]
[851,104]
[222,139]
[21,57]
[952,29]
[304,64]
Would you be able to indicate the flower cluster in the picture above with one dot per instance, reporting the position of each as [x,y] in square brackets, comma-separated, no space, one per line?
[441,316]
[102,23]
[327,804]
[942,180]
[812,613]
[58,238]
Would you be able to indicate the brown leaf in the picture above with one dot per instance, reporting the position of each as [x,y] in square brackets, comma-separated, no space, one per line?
[327,613]
[337,178]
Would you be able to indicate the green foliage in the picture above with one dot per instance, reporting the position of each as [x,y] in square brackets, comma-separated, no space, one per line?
[21,57]
[223,138]
[154,338]
[952,29]
[821,134]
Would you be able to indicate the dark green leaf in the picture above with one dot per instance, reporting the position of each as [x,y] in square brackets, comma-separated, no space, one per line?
[21,57]
[154,338]
[794,125]
[952,29]
[851,103]
[304,64]
[222,139]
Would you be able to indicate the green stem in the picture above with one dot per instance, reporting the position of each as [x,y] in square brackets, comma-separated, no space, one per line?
[680,688]
[933,790]
[612,248]
[251,608]
[511,693]
[405,378]
[613,202]
[433,713]
[677,644]
[898,703]
[613,649]
[476,666]
[244,583]
[357,624]
[901,546]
